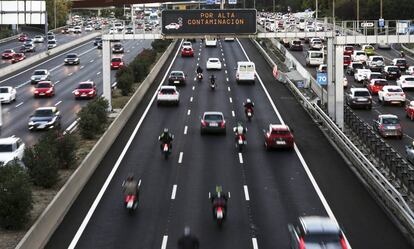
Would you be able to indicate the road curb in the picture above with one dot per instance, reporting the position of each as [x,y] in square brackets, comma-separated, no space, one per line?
[405,48]
[40,232]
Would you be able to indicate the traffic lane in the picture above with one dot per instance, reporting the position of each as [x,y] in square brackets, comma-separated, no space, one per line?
[157,175]
[207,161]
[363,220]
[280,188]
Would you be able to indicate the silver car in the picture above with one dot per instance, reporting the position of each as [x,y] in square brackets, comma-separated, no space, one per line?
[213,122]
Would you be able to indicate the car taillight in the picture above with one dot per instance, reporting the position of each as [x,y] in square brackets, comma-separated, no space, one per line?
[343,243]
[381,127]
[203,123]
[402,94]
[301,243]
[222,124]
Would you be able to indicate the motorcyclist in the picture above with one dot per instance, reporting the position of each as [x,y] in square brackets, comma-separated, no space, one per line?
[402,54]
[166,138]
[240,130]
[130,186]
[219,199]
[188,240]
[212,79]
[199,69]
[248,105]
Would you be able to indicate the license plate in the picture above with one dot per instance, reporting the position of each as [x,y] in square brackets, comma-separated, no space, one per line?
[41,94]
[213,124]
[83,95]
[176,81]
[391,127]
[280,142]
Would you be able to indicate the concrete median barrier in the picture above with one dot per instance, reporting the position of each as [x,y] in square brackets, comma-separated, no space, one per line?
[38,57]
[49,220]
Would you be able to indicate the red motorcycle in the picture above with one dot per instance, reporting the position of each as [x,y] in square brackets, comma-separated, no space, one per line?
[249,113]
[166,150]
[240,141]
[131,203]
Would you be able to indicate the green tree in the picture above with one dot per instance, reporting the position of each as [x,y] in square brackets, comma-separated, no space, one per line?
[66,150]
[93,118]
[125,81]
[62,8]
[15,196]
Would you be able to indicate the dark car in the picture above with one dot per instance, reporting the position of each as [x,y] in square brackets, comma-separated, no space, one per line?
[45,118]
[388,125]
[99,45]
[118,48]
[72,59]
[391,72]
[176,77]
[316,232]
[353,67]
[65,31]
[129,30]
[213,122]
[296,45]
[97,40]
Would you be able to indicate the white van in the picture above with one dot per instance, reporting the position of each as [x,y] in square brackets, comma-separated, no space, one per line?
[315,58]
[246,72]
[302,24]
[211,42]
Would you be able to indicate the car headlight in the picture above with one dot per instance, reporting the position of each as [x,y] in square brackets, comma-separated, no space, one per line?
[31,123]
[66,60]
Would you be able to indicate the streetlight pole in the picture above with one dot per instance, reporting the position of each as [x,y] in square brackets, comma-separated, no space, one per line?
[55,13]
[274,6]
[381,9]
[316,9]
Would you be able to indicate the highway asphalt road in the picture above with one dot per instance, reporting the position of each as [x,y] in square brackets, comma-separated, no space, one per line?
[66,79]
[40,47]
[268,189]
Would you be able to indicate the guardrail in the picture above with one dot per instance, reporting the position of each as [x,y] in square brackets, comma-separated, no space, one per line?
[49,220]
[383,189]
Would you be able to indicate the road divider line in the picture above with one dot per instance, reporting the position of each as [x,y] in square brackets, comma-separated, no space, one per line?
[58,103]
[227,79]
[174,191]
[193,88]
[180,158]
[225,65]
[254,242]
[19,104]
[240,157]
[233,114]
[231,100]
[224,59]
[164,242]
[71,127]
[98,73]
[228,89]
[91,61]
[225,71]
[70,74]
[185,130]
[191,99]
[188,112]
[246,193]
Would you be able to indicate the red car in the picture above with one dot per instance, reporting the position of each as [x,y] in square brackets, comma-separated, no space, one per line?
[23,37]
[44,89]
[85,89]
[348,50]
[8,54]
[18,57]
[187,52]
[347,60]
[409,110]
[278,136]
[376,85]
[116,63]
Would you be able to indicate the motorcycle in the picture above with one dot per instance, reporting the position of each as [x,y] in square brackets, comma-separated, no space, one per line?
[199,76]
[131,201]
[249,113]
[213,86]
[166,150]
[240,142]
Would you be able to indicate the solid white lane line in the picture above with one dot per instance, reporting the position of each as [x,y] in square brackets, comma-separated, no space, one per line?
[118,162]
[98,73]
[191,99]
[58,103]
[233,114]
[164,242]
[240,157]
[228,88]
[188,112]
[246,193]
[254,242]
[19,104]
[174,191]
[180,158]
[185,130]
[231,100]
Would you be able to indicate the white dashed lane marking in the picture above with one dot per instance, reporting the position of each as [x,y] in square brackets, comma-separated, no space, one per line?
[246,193]
[233,114]
[180,158]
[19,104]
[188,112]
[240,157]
[58,103]
[174,192]
[164,242]
[191,99]
[185,130]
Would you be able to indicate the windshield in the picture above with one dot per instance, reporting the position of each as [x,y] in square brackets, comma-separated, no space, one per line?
[401,61]
[4,90]
[176,74]
[213,117]
[394,90]
[322,238]
[39,73]
[8,51]
[42,85]
[393,69]
[43,113]
[51,42]
[361,94]
[380,83]
[280,132]
[377,59]
[6,148]
[357,66]
[167,91]
[409,79]
[316,55]
[349,48]
[71,56]
[360,53]
[116,60]
[85,86]
[390,121]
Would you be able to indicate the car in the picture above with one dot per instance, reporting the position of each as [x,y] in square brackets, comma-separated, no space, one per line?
[372,76]
[117,48]
[361,74]
[409,110]
[228,39]
[28,48]
[40,75]
[51,38]
[85,89]
[72,59]
[71,29]
[391,72]
[129,30]
[213,63]
[38,39]
[11,148]
[316,232]
[368,49]
[97,40]
[353,67]
[375,63]
[348,50]
[401,63]
[44,118]
[410,70]
[88,28]
[22,37]
[65,31]
[8,54]
[113,31]
[376,85]
[28,41]
[347,61]
[172,26]
[176,77]
[18,57]
[77,30]
[406,81]
[148,27]
[296,45]
[359,55]
[391,95]
[168,94]
[51,44]
[98,27]
[187,52]
[117,63]
[50,33]
[7,94]
[278,136]
[99,45]
[358,97]
[210,42]
[388,125]
[245,72]
[212,122]
[44,89]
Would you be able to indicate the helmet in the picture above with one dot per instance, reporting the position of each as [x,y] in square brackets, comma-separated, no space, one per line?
[248,101]
[130,177]
[187,231]
[166,130]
